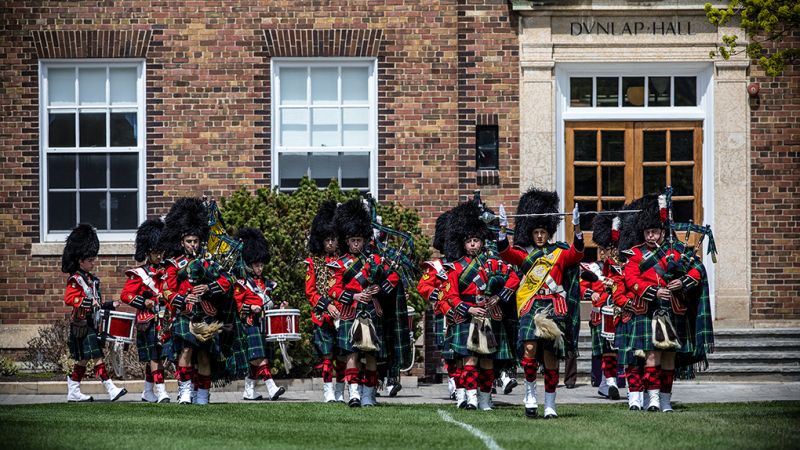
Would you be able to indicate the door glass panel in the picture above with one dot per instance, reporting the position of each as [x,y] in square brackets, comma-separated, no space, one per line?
[683,180]
[683,211]
[612,205]
[613,181]
[586,145]
[655,145]
[681,145]
[654,180]
[586,219]
[613,143]
[585,181]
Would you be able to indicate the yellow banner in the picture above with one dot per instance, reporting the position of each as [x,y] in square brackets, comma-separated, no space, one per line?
[534,279]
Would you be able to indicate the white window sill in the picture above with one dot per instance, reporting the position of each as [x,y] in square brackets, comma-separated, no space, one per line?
[106,248]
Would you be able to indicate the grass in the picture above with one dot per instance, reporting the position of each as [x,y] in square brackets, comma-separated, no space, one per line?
[309,425]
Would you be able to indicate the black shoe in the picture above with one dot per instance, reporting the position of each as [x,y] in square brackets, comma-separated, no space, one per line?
[613,392]
[510,386]
[570,386]
[453,396]
[121,393]
[281,390]
[395,389]
[462,405]
[531,413]
[470,407]
[354,403]
[653,408]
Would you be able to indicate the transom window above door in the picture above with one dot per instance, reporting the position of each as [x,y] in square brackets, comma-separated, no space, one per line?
[632,91]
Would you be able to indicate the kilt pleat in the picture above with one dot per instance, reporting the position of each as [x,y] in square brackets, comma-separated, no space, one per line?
[150,348]
[87,347]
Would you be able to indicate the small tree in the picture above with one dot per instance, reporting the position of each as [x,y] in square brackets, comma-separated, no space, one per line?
[762,21]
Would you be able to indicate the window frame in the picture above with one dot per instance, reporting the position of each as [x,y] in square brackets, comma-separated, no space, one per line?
[278,149]
[45,65]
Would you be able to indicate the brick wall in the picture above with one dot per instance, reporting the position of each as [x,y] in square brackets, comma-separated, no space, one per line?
[775,169]
[442,66]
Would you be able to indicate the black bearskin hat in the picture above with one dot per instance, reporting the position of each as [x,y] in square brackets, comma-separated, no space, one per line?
[322,227]
[440,234]
[464,223]
[536,201]
[147,238]
[255,246]
[601,230]
[81,243]
[187,216]
[630,235]
[351,220]
[649,217]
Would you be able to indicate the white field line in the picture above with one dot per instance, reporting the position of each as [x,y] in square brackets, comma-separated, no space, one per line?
[490,443]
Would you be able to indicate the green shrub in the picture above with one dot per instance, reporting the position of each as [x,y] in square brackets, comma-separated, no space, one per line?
[8,368]
[285,220]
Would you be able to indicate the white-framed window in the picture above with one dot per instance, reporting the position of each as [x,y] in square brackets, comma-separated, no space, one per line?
[324,122]
[92,116]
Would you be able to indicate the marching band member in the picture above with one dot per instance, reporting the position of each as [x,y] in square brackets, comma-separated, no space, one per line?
[83,295]
[467,293]
[547,302]
[251,293]
[191,296]
[323,249]
[359,277]
[142,291]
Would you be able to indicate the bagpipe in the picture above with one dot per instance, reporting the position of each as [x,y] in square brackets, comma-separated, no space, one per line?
[395,248]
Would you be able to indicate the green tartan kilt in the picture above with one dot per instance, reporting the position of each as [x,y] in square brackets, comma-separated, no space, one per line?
[622,340]
[641,337]
[447,342]
[182,338]
[439,330]
[150,348]
[527,332]
[343,332]
[460,339]
[600,345]
[324,339]
[87,347]
[257,346]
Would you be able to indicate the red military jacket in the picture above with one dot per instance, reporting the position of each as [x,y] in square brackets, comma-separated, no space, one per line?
[618,296]
[252,292]
[430,285]
[144,282]
[82,285]
[343,289]
[518,256]
[464,292]
[645,271]
[178,290]
[319,300]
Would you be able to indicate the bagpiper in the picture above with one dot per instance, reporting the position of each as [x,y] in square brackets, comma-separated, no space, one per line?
[358,278]
[323,251]
[83,295]
[143,291]
[548,298]
[252,295]
[194,289]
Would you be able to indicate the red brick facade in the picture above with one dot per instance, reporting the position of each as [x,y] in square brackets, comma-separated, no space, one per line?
[775,194]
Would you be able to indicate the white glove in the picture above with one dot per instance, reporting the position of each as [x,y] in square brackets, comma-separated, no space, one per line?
[576,216]
[503,217]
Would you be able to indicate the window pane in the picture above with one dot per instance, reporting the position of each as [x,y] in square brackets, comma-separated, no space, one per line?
[487,146]
[124,170]
[323,168]
[633,87]
[294,127]
[586,219]
[586,145]
[585,181]
[355,85]
[355,127]
[655,145]
[92,170]
[60,171]
[654,179]
[291,169]
[323,86]
[124,211]
[92,86]
[685,91]
[608,91]
[61,130]
[613,143]
[61,87]
[123,129]
[325,127]
[612,205]
[93,129]
[682,145]
[613,181]
[683,211]
[61,211]
[355,171]
[580,92]
[293,86]
[123,85]
[93,209]
[658,91]
[683,180]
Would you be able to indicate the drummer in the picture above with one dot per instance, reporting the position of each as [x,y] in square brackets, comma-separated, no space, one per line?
[251,293]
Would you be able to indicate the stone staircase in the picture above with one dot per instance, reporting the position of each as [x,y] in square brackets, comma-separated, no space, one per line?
[755,354]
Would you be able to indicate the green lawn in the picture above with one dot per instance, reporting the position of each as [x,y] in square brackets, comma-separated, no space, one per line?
[307,425]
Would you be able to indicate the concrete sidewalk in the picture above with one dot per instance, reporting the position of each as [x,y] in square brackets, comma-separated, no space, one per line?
[684,392]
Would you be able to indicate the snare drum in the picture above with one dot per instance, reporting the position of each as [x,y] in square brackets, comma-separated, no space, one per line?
[118,326]
[281,325]
[608,329]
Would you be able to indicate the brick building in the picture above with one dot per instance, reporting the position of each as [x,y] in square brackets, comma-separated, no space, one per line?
[111,110]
